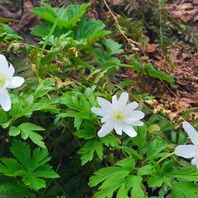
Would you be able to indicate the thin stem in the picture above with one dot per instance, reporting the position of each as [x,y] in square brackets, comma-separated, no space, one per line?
[130,41]
[45,44]
[165,157]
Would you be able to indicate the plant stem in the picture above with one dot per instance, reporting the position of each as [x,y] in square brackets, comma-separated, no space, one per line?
[167,156]
[45,44]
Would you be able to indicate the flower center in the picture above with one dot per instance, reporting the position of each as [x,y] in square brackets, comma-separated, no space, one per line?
[2,80]
[119,116]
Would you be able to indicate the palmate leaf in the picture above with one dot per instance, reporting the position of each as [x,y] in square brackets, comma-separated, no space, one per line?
[90,31]
[184,190]
[27,130]
[11,189]
[117,180]
[113,47]
[68,17]
[88,150]
[32,169]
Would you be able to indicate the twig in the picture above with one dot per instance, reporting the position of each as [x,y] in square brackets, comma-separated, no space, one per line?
[130,41]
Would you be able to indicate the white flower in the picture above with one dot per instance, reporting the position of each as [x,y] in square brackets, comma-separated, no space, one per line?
[118,115]
[7,81]
[190,150]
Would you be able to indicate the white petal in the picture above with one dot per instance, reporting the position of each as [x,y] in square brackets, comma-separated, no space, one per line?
[3,64]
[15,82]
[130,107]
[130,120]
[136,115]
[106,119]
[106,128]
[129,130]
[104,104]
[186,151]
[98,111]
[5,100]
[137,123]
[123,100]
[11,70]
[114,101]
[193,135]
[118,128]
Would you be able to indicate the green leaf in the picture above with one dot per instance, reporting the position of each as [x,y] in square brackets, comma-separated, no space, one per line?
[90,31]
[140,139]
[14,131]
[137,187]
[7,33]
[184,190]
[67,17]
[108,178]
[154,150]
[85,134]
[151,71]
[187,174]
[88,150]
[155,181]
[112,46]
[3,116]
[127,163]
[17,190]
[122,192]
[145,170]
[109,140]
[31,168]
[44,87]
[27,130]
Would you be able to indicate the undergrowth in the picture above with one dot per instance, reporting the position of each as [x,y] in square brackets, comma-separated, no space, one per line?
[49,143]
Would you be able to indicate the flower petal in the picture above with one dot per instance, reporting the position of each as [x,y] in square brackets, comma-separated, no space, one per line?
[106,119]
[5,100]
[130,107]
[15,82]
[11,70]
[137,123]
[136,115]
[193,135]
[114,101]
[123,100]
[105,104]
[98,111]
[186,151]
[3,64]
[129,130]
[106,128]
[118,128]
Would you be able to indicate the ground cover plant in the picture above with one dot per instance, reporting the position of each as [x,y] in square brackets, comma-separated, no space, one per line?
[71,126]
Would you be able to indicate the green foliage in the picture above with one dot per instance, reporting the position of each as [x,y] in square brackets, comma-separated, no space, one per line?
[31,168]
[70,20]
[81,62]
[112,47]
[184,189]
[27,130]
[90,31]
[108,178]
[88,150]
[7,33]
[67,18]
[151,71]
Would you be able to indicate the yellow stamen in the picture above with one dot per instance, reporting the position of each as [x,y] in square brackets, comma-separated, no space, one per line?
[119,116]
[2,80]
